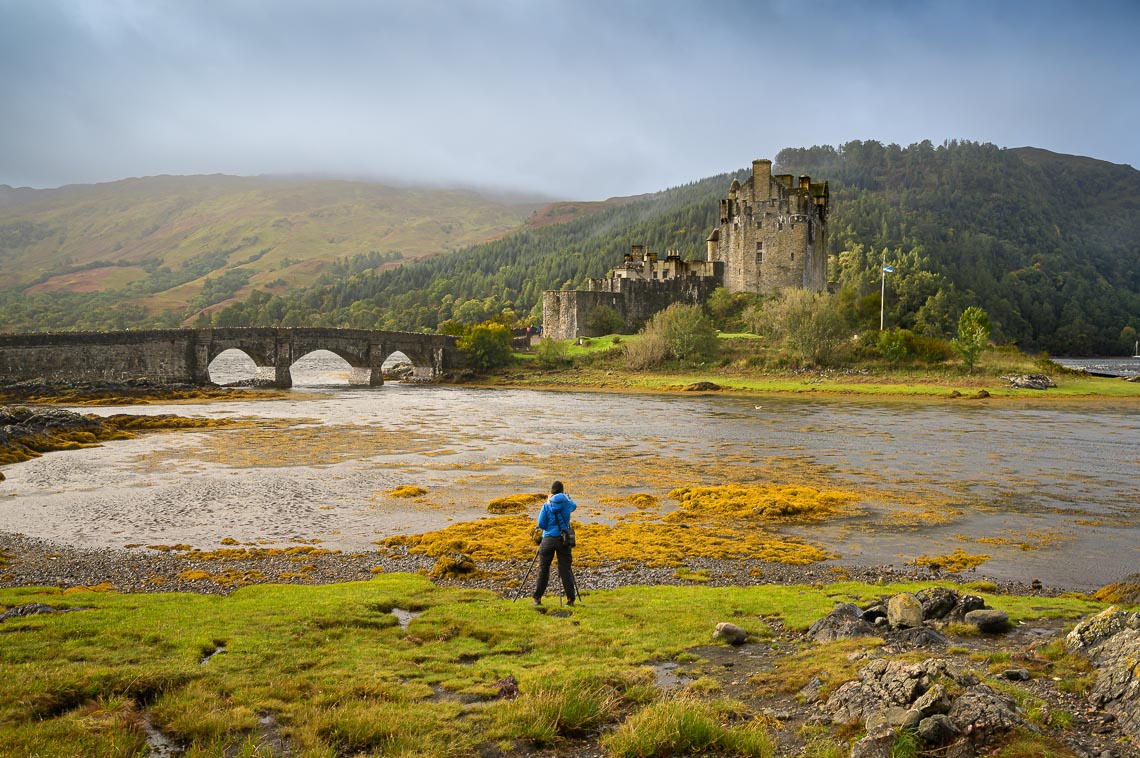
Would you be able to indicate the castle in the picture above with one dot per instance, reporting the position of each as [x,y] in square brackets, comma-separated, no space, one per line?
[772,235]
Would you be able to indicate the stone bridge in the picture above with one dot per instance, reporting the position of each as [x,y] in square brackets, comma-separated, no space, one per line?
[174,356]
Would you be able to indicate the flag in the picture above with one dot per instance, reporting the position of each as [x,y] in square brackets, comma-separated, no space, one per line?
[888,269]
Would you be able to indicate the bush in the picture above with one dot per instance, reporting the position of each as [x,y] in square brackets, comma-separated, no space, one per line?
[552,353]
[486,345]
[812,325]
[680,331]
[649,351]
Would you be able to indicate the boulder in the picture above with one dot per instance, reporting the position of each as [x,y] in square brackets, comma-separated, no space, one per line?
[904,611]
[877,744]
[989,621]
[842,623]
[936,602]
[730,633]
[881,684]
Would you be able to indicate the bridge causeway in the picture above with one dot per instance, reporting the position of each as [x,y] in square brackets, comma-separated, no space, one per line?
[183,356]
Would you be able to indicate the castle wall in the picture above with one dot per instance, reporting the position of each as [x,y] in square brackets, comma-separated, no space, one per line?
[565,312]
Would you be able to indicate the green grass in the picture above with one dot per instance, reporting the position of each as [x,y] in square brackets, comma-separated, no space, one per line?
[340,676]
[597,363]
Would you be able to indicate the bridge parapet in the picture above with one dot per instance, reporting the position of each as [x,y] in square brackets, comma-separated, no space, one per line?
[184,355]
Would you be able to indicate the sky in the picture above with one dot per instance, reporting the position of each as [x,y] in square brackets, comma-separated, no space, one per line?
[570,99]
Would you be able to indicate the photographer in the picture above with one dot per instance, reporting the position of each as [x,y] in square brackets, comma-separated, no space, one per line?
[553,519]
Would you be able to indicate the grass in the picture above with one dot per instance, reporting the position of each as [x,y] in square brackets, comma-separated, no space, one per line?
[338,674]
[597,364]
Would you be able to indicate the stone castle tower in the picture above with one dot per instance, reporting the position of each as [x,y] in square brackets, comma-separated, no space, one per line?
[772,233]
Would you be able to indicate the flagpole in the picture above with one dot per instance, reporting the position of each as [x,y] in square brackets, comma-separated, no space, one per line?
[883,291]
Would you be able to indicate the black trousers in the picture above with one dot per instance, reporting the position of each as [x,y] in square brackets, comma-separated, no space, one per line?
[547,549]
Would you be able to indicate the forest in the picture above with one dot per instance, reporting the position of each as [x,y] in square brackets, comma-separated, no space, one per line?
[1048,245]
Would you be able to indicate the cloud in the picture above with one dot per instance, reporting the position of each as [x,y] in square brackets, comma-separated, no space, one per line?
[576,98]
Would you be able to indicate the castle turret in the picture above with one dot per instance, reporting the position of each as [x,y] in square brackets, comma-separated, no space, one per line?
[713,253]
[761,180]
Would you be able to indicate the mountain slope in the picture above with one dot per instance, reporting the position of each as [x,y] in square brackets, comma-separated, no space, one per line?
[165,243]
[1048,244]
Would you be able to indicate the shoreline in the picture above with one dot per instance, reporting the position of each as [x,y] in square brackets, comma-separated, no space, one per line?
[31,562]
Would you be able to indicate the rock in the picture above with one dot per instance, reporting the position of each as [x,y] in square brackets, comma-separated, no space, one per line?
[965,604]
[936,602]
[936,730]
[875,612]
[893,717]
[1111,640]
[1030,382]
[935,700]
[989,621]
[1092,632]
[981,394]
[842,623]
[881,684]
[923,637]
[730,633]
[810,691]
[452,565]
[904,611]
[28,609]
[1016,675]
[981,713]
[878,744]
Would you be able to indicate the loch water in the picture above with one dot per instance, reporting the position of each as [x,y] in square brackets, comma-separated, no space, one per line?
[1048,490]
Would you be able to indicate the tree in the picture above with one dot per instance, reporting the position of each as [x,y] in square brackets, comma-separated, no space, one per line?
[551,353]
[973,335]
[486,346]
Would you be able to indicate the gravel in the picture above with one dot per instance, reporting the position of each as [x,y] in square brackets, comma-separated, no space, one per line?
[32,562]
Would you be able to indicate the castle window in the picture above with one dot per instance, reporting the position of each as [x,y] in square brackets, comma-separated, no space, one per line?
[759,253]
[759,223]
[793,256]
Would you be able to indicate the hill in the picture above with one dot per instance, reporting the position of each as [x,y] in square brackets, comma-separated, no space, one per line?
[152,248]
[1047,244]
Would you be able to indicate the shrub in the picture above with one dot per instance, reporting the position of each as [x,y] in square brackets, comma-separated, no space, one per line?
[486,345]
[892,346]
[552,353]
[680,331]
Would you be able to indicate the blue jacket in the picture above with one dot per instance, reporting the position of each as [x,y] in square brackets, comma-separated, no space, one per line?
[555,514]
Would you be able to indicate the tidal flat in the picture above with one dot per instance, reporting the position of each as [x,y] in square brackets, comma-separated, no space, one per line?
[1022,490]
